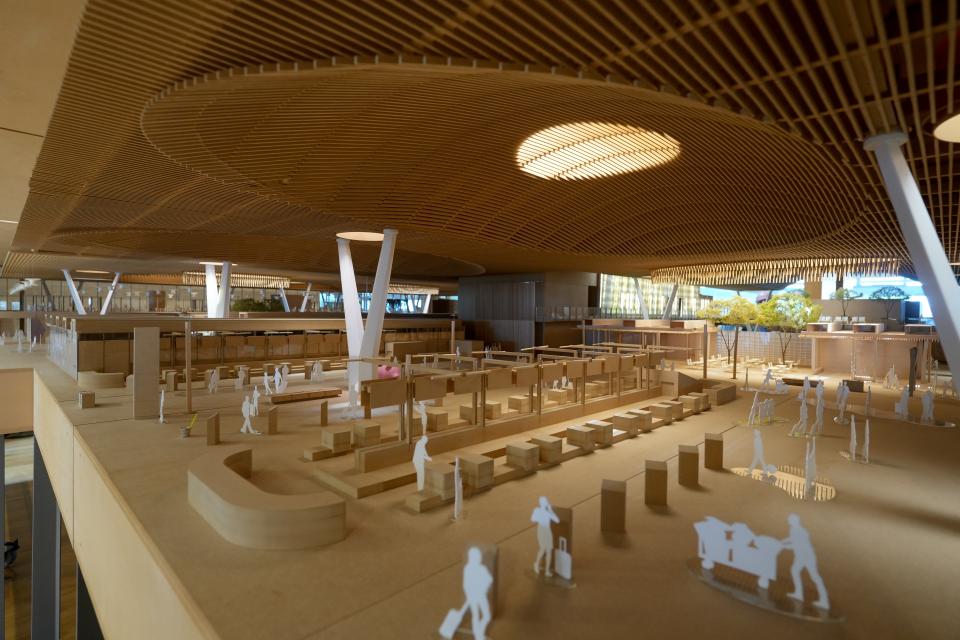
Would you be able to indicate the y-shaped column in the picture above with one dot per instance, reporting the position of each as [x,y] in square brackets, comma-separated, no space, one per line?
[223,296]
[926,252]
[643,303]
[113,287]
[77,301]
[213,294]
[668,311]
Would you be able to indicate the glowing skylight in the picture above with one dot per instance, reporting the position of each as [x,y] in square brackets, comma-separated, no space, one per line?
[361,236]
[949,129]
[593,150]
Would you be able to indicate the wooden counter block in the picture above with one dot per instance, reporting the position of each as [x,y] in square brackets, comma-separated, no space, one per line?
[690,403]
[269,368]
[337,439]
[551,448]
[689,463]
[523,455]
[87,399]
[170,380]
[646,418]
[224,371]
[467,413]
[519,403]
[477,471]
[655,484]
[324,413]
[313,454]
[439,479]
[591,389]
[662,411]
[492,410]
[677,408]
[436,419]
[713,451]
[580,436]
[207,377]
[366,434]
[213,428]
[613,506]
[303,396]
[704,399]
[558,395]
[603,432]
[273,418]
[626,422]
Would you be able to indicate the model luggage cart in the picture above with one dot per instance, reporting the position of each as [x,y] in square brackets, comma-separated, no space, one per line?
[736,546]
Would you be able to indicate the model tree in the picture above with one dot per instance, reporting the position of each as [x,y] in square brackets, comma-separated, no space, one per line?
[845,296]
[736,312]
[891,297]
[787,314]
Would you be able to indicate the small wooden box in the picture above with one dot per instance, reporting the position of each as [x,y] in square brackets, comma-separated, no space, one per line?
[170,380]
[477,471]
[603,432]
[551,449]
[626,422]
[677,408]
[273,419]
[613,506]
[337,439]
[87,399]
[655,485]
[713,451]
[689,464]
[519,403]
[523,455]
[704,399]
[366,434]
[646,418]
[492,409]
[662,411]
[439,479]
[467,413]
[557,395]
[436,419]
[213,428]
[690,403]
[580,436]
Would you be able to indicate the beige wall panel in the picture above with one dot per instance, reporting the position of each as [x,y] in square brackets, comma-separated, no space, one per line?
[90,355]
[525,376]
[574,369]
[467,383]
[295,346]
[388,393]
[208,349]
[116,356]
[314,344]
[552,372]
[233,347]
[277,346]
[146,372]
[256,348]
[54,434]
[429,388]
[499,378]
[16,398]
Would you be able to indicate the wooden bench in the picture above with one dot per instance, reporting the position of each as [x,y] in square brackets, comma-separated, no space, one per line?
[301,396]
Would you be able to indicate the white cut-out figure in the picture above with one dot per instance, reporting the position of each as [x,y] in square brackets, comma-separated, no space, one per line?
[316,373]
[769,410]
[866,442]
[810,467]
[804,558]
[19,342]
[163,399]
[266,383]
[801,426]
[477,581]
[804,390]
[3,339]
[754,408]
[868,401]
[255,405]
[33,343]
[902,407]
[543,515]
[843,392]
[563,382]
[214,381]
[758,460]
[891,381]
[457,490]
[245,411]
[767,379]
[556,384]
[853,438]
[420,459]
[277,380]
[736,546]
[285,376]
[241,379]
[927,403]
[780,387]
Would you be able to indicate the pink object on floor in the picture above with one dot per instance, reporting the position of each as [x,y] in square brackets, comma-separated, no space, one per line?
[386,371]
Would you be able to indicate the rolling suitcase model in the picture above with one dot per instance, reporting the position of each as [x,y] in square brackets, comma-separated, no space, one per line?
[452,622]
[563,561]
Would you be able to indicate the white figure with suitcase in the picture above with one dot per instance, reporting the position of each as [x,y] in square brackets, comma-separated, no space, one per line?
[476,585]
[563,561]
[543,515]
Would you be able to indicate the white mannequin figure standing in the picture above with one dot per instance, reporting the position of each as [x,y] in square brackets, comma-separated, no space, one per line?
[266,383]
[240,381]
[255,405]
[801,426]
[810,467]
[767,379]
[804,558]
[817,426]
[285,376]
[902,407]
[457,490]
[33,343]
[804,390]
[245,412]
[843,391]
[927,403]
[868,401]
[214,381]
[754,409]
[163,399]
[277,380]
[543,515]
[853,438]
[758,460]
[780,388]
[316,372]
[866,442]
[420,459]
[891,381]
[477,581]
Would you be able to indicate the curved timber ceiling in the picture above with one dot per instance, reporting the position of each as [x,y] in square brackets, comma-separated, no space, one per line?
[266,127]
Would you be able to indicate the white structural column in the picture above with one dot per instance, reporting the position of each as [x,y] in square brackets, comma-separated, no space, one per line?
[72,288]
[643,303]
[283,299]
[223,297]
[113,287]
[926,252]
[370,347]
[668,311]
[426,304]
[210,278]
[306,298]
[351,299]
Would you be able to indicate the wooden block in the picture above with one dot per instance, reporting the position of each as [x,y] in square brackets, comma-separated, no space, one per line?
[551,448]
[655,484]
[436,419]
[477,471]
[337,439]
[87,399]
[224,371]
[713,451]
[613,506]
[690,403]
[439,479]
[366,434]
[467,413]
[170,380]
[213,428]
[676,407]
[646,418]
[316,453]
[564,528]
[557,395]
[303,396]
[146,372]
[603,432]
[492,410]
[662,411]
[523,455]
[689,463]
[273,415]
[519,403]
[324,413]
[580,436]
[704,399]
[591,389]
[626,422]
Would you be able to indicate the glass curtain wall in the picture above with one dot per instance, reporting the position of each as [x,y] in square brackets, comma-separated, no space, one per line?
[619,297]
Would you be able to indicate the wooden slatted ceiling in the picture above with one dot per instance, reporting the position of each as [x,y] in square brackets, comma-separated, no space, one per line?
[149,152]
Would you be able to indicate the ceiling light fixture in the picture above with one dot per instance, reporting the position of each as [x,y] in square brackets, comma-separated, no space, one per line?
[216,264]
[593,150]
[105,273]
[361,236]
[10,221]
[949,129]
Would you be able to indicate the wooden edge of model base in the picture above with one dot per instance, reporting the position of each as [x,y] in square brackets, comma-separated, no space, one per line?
[219,489]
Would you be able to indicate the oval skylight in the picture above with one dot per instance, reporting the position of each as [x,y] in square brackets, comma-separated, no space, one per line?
[592,150]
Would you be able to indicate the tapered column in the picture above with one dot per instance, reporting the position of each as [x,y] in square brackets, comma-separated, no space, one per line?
[926,251]
[223,295]
[668,311]
[306,298]
[113,287]
[370,347]
[426,304]
[45,555]
[213,293]
[351,299]
[72,288]
[283,299]
[643,303]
